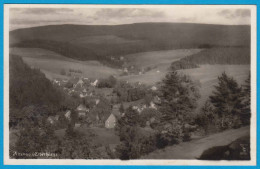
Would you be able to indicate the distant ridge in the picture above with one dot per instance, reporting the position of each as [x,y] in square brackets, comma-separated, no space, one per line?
[100,42]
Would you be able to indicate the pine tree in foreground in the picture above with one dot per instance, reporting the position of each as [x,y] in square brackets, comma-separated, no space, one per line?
[178,100]
[227,101]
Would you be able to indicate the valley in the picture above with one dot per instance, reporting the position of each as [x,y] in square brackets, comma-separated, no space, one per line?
[118,91]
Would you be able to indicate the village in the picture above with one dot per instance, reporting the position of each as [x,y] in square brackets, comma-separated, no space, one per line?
[102,105]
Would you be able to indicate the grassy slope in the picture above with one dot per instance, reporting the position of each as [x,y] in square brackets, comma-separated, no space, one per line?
[158,58]
[194,148]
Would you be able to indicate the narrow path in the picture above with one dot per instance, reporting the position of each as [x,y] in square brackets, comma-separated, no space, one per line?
[194,148]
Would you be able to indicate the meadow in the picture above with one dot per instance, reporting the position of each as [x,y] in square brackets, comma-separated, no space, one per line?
[52,63]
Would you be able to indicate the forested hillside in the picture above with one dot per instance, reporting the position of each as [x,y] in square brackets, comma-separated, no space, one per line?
[31,94]
[101,42]
[221,56]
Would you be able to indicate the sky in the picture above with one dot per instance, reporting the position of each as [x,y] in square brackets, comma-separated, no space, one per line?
[112,15]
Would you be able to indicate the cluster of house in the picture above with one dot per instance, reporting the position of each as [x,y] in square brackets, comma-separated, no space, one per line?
[77,86]
[84,87]
[110,119]
[82,112]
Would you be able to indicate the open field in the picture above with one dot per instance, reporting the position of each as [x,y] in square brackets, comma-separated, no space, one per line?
[160,61]
[159,58]
[153,58]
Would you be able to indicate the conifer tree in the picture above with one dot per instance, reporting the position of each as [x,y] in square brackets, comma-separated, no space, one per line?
[178,94]
[227,100]
[178,97]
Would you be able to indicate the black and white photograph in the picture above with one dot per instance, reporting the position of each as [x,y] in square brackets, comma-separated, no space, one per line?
[130,84]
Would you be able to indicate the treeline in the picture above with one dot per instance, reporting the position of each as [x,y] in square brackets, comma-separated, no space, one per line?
[213,55]
[69,50]
[183,64]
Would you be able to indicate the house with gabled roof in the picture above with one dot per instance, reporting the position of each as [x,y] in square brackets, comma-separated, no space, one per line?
[111,121]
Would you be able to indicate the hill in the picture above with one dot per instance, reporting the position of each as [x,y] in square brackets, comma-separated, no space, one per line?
[30,88]
[100,42]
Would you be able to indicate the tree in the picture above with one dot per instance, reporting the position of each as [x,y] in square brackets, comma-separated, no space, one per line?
[112,81]
[178,94]
[131,118]
[227,101]
[34,139]
[127,129]
[76,145]
[178,97]
[206,117]
[149,116]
